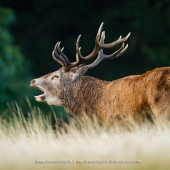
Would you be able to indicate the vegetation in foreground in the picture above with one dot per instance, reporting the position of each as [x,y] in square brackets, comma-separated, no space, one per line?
[32,143]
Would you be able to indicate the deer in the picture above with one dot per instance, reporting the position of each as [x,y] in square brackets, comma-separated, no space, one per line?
[140,97]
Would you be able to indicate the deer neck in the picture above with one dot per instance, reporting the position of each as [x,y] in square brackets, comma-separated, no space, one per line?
[84,96]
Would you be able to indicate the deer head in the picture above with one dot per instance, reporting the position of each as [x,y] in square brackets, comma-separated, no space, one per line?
[64,85]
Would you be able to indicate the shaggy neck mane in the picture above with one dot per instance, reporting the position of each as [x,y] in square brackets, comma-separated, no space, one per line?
[85,95]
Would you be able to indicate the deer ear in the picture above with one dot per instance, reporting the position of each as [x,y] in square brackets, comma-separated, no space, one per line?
[78,71]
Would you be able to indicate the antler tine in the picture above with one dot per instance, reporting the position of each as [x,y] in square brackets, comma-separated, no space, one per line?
[115,54]
[96,49]
[98,35]
[118,55]
[115,43]
[102,39]
[78,49]
[58,58]
[63,55]
[97,45]
[119,38]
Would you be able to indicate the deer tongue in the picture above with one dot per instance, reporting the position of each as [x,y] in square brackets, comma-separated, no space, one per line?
[40,97]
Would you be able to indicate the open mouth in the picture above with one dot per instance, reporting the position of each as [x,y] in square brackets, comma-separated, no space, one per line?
[40,97]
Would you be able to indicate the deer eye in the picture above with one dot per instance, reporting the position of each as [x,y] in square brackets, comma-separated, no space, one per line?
[56,76]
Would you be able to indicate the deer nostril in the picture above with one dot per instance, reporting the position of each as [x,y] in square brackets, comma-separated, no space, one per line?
[33,81]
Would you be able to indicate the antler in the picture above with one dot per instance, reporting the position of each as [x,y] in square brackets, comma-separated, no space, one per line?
[98,49]
[102,56]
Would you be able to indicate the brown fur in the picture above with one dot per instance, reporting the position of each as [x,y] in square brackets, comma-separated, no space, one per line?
[141,97]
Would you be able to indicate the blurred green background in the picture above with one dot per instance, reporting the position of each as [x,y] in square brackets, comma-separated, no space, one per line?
[29,30]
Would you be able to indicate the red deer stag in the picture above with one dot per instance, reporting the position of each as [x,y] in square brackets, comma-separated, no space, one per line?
[141,97]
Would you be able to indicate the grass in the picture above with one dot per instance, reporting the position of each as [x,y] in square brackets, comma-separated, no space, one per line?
[25,142]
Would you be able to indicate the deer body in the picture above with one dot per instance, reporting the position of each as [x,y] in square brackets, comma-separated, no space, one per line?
[141,97]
